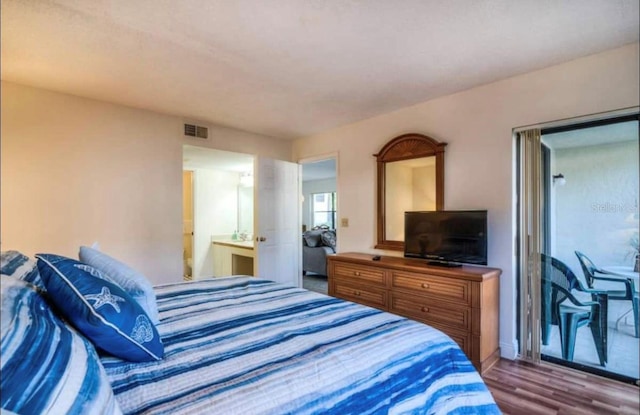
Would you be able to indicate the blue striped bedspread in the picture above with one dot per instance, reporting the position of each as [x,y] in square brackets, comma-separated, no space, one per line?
[250,346]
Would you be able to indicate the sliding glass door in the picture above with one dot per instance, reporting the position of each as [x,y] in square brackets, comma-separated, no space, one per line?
[578,195]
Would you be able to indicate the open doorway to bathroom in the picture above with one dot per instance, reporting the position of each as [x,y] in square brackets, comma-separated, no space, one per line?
[218,213]
[319,220]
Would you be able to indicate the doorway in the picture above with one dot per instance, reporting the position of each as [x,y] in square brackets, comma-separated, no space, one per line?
[245,215]
[218,191]
[578,198]
[319,220]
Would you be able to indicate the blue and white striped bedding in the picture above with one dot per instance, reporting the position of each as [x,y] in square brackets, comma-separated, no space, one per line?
[47,367]
[250,346]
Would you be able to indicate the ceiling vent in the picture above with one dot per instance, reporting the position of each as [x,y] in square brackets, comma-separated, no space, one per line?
[193,130]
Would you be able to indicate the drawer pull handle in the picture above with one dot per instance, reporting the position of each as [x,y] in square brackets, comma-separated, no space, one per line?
[425,309]
[425,285]
[356,273]
[357,293]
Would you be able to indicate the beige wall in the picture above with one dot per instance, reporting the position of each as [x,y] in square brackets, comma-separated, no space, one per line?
[596,211]
[477,124]
[75,171]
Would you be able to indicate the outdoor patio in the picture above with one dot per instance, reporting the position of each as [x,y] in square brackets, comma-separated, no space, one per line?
[623,351]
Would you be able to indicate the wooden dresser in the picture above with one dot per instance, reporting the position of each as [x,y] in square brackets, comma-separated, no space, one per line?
[463,302]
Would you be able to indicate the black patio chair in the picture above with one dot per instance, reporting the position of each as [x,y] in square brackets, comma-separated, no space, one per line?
[592,274]
[574,313]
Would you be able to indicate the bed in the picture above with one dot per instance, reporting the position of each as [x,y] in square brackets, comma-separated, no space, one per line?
[243,345]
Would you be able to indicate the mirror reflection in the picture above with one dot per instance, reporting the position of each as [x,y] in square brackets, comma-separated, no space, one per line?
[411,186]
[245,206]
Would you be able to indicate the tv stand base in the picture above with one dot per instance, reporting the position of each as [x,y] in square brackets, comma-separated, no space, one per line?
[444,264]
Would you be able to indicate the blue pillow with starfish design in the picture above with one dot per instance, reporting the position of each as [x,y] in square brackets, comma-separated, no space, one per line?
[100,309]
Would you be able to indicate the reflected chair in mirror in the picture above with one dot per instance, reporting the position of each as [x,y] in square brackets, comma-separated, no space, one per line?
[569,312]
[593,274]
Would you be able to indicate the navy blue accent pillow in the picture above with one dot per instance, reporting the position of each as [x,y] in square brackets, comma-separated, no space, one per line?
[133,282]
[100,309]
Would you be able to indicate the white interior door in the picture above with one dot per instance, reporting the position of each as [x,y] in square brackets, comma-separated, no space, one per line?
[277,224]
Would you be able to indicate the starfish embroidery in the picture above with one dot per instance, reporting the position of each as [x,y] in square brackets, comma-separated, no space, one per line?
[105,297]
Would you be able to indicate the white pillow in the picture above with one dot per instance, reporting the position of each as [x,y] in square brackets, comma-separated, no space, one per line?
[133,282]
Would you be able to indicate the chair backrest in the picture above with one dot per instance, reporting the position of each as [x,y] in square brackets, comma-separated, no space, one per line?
[588,268]
[558,273]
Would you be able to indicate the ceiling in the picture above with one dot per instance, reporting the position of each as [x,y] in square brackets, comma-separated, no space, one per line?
[293,68]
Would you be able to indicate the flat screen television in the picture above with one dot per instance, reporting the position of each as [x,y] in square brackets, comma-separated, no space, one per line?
[446,238]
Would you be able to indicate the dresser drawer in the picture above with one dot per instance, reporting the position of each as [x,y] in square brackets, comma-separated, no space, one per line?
[431,312]
[371,296]
[433,286]
[463,338]
[461,302]
[360,273]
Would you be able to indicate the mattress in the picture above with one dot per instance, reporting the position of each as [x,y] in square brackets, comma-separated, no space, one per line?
[243,345]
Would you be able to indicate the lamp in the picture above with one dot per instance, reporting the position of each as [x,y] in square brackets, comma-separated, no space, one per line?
[559,178]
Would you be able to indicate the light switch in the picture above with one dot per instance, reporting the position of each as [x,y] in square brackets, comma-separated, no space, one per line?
[344,222]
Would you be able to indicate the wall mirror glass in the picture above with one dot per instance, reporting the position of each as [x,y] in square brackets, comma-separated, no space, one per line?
[245,205]
[410,178]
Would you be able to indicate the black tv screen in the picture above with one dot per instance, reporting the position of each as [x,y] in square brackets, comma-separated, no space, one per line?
[447,237]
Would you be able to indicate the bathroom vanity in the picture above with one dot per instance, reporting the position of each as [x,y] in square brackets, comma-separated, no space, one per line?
[232,258]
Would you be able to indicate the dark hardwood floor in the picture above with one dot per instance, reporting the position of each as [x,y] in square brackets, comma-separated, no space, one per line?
[522,388]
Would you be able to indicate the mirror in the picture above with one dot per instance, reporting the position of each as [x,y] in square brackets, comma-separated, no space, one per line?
[410,178]
[245,208]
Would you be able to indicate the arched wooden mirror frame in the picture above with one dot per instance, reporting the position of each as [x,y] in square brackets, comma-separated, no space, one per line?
[405,147]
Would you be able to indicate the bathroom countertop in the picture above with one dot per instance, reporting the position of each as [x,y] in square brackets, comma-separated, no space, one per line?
[237,244]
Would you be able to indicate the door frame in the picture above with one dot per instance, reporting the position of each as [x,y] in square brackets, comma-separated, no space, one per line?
[315,159]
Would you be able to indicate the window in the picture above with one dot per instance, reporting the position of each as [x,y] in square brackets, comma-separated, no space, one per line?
[323,210]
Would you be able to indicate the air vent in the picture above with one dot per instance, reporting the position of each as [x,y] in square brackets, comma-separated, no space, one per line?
[193,130]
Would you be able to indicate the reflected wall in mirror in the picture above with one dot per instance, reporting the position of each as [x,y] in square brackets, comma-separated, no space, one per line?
[245,204]
[411,186]
[410,178]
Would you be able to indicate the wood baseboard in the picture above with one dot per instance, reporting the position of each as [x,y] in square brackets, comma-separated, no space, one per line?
[490,361]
